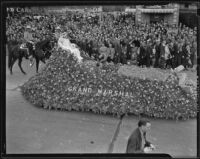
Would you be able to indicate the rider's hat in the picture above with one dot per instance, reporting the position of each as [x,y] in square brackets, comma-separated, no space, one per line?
[28,27]
[58,28]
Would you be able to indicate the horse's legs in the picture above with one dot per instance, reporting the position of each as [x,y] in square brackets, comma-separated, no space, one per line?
[11,65]
[37,64]
[20,65]
[31,61]
[167,63]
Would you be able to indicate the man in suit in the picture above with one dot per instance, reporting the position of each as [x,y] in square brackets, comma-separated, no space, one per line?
[149,53]
[157,53]
[118,50]
[174,52]
[103,53]
[142,55]
[137,142]
[128,53]
[137,42]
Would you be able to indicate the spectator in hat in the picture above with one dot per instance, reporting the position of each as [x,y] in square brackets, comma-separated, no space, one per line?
[129,43]
[111,53]
[134,54]
[185,58]
[142,54]
[116,43]
[103,53]
[174,52]
[157,53]
[168,56]
[123,58]
[193,56]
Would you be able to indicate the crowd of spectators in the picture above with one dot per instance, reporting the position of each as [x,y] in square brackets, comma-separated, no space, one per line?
[116,39]
[41,26]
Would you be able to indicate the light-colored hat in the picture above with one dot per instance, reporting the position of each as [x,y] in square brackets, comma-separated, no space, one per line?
[28,27]
[58,28]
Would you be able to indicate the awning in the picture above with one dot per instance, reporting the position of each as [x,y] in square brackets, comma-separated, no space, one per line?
[157,10]
[130,10]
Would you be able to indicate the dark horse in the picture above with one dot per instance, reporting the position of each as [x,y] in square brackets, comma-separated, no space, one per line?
[42,51]
[16,52]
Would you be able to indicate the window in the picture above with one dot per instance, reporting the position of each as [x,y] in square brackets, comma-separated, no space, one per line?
[186,5]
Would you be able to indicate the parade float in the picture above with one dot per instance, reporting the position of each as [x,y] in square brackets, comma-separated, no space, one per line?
[71,82]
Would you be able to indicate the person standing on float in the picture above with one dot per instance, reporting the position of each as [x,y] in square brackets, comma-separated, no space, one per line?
[103,53]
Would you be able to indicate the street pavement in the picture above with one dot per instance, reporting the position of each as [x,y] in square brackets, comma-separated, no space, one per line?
[30,129]
[177,138]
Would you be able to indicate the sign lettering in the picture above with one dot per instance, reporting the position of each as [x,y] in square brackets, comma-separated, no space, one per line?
[99,92]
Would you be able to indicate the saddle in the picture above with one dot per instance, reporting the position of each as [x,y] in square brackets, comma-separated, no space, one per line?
[24,45]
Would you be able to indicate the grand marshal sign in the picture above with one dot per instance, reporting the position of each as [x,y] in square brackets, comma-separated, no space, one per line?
[99,92]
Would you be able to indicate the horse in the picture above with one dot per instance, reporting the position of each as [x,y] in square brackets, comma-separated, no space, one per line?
[42,51]
[16,52]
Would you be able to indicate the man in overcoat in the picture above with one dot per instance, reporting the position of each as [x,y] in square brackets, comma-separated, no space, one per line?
[157,54]
[142,55]
[137,142]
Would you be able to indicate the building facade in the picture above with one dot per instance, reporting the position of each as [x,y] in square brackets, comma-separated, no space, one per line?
[188,14]
[152,14]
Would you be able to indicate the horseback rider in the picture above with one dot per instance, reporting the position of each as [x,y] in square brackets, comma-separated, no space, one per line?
[29,39]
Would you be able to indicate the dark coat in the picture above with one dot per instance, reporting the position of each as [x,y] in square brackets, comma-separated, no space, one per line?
[185,56]
[84,45]
[142,53]
[128,54]
[177,57]
[137,43]
[162,51]
[118,50]
[135,142]
[157,55]
[117,46]
[158,48]
[142,56]
[149,53]
[175,50]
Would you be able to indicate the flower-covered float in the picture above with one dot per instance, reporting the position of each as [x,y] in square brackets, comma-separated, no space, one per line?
[70,81]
